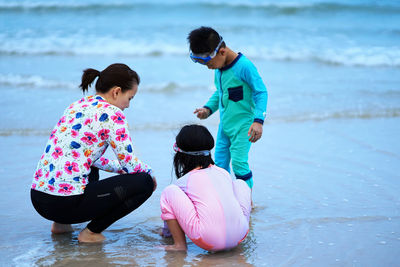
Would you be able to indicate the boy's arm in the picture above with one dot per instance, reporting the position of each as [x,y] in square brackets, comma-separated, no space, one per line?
[260,95]
[209,108]
[212,103]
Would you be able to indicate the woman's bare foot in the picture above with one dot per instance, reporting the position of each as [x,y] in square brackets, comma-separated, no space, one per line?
[58,228]
[87,236]
[175,247]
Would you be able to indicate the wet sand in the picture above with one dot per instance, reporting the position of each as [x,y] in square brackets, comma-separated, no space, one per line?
[326,194]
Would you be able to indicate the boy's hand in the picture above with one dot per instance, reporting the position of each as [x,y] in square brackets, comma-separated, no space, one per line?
[202,113]
[255,132]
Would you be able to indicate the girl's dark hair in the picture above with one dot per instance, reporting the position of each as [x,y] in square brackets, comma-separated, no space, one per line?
[192,138]
[114,75]
[204,40]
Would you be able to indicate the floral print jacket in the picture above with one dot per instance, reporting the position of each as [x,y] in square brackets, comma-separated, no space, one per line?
[78,141]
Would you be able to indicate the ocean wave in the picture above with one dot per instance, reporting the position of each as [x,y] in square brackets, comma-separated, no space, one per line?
[77,45]
[25,132]
[284,8]
[154,126]
[33,81]
[368,56]
[36,81]
[59,6]
[351,56]
[172,125]
[334,115]
[174,87]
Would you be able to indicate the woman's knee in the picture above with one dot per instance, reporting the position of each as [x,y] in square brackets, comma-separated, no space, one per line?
[146,182]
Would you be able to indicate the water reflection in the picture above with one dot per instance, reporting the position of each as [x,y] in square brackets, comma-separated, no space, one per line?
[65,250]
[196,256]
[234,257]
[137,245]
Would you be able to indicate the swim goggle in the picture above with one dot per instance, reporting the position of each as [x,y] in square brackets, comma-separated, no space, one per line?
[193,153]
[204,58]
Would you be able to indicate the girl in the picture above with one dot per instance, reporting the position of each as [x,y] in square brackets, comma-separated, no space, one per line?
[66,187]
[204,203]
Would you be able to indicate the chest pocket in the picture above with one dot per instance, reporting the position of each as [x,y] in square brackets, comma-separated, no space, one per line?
[235,93]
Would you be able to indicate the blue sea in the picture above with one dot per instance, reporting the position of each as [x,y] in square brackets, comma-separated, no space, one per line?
[326,172]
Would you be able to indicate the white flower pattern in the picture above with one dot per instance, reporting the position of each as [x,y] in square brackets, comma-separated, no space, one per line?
[78,141]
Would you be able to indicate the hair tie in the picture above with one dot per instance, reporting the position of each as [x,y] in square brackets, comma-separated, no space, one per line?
[193,153]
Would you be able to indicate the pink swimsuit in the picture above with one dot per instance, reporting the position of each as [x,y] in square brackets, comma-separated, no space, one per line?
[212,210]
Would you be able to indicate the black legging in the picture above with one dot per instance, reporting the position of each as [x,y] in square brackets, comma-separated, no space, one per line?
[103,202]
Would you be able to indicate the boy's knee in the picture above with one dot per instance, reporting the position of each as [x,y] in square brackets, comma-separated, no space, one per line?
[240,167]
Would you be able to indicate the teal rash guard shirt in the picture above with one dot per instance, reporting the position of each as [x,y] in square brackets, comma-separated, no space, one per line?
[241,95]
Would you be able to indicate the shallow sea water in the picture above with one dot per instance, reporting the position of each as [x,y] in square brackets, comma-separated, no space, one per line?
[329,200]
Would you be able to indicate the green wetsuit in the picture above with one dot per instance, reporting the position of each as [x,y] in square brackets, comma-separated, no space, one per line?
[241,98]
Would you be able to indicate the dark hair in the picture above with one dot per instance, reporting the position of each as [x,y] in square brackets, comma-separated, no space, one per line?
[114,75]
[192,138]
[204,40]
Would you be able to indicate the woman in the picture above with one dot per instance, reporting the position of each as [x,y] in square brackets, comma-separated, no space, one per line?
[66,188]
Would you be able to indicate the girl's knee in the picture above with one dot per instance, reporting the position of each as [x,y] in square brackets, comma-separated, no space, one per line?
[168,196]
[171,194]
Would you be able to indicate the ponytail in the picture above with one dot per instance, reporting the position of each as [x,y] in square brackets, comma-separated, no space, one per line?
[88,76]
[114,75]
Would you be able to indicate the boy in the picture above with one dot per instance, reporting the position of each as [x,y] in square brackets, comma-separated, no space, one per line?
[241,98]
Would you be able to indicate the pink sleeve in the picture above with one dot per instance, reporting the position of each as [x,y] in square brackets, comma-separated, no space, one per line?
[175,204]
